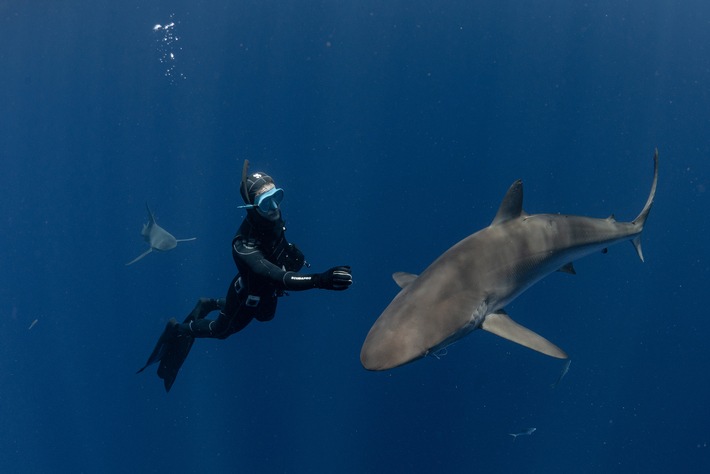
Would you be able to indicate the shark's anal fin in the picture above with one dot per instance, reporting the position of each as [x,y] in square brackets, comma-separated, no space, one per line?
[403,278]
[502,325]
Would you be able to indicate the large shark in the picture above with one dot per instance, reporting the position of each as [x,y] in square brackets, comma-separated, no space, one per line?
[468,286]
[157,237]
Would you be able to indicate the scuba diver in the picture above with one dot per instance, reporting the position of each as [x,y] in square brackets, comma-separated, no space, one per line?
[268,266]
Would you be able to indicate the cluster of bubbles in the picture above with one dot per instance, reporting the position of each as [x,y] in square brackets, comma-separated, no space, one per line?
[167,46]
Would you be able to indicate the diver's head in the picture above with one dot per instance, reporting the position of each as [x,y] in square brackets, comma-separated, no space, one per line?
[261,194]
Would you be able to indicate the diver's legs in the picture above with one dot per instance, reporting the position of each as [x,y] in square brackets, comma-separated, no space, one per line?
[220,328]
[203,307]
[233,317]
[195,323]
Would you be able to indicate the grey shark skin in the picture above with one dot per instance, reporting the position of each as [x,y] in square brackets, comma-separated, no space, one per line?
[468,286]
[158,238]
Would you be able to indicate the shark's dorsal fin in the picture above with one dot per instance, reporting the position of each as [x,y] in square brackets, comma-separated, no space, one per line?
[512,205]
[500,324]
[403,278]
[151,216]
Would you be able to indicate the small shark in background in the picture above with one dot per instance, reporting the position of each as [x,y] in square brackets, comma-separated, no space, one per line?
[469,285]
[158,238]
[527,432]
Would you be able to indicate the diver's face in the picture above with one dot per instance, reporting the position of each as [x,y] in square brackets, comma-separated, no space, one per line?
[271,215]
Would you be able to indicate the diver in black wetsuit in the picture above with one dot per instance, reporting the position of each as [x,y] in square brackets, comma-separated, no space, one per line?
[267,265]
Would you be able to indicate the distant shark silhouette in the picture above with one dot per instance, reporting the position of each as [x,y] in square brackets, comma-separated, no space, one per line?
[158,238]
[468,286]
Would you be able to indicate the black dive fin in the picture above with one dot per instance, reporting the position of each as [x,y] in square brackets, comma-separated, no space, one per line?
[171,351]
[175,354]
[160,346]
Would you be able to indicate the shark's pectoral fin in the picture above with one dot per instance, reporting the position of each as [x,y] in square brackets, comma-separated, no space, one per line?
[140,256]
[568,268]
[502,325]
[186,240]
[403,278]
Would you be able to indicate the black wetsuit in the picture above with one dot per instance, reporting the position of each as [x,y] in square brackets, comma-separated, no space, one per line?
[267,264]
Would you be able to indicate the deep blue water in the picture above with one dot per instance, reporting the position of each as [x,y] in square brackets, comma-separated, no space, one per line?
[395,129]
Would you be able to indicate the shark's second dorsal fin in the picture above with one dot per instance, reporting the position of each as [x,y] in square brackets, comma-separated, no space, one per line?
[512,205]
[500,324]
[568,268]
[403,279]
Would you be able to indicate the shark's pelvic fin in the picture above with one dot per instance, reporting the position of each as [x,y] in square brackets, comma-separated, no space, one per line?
[512,205]
[500,324]
[403,278]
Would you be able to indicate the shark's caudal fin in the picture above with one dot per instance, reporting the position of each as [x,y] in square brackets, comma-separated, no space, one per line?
[641,218]
[500,324]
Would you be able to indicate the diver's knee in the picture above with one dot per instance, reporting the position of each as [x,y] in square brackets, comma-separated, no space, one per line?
[204,301]
[222,327]
[221,303]
[206,305]
[263,318]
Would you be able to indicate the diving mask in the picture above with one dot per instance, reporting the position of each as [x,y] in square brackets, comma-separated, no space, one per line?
[269,200]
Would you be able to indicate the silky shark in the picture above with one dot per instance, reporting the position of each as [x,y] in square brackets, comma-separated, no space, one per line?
[469,285]
[158,238]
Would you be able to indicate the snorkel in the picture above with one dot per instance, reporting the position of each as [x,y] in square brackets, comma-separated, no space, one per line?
[243,188]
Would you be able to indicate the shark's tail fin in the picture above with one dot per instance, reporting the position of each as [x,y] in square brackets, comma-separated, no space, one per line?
[641,218]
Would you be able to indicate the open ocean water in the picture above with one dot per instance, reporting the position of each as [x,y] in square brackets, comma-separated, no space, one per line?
[395,128]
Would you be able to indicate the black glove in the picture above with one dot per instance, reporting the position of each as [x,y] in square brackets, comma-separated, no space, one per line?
[337,278]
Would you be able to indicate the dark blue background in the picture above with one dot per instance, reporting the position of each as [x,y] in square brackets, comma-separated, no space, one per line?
[395,129]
